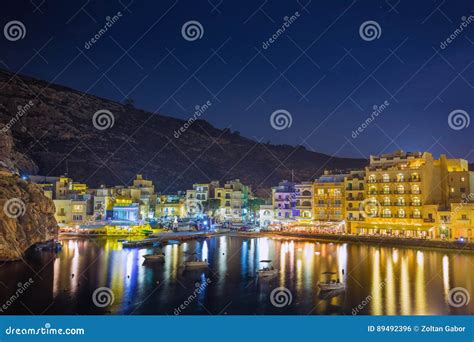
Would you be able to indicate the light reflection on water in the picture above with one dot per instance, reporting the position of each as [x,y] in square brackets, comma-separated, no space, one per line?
[386,280]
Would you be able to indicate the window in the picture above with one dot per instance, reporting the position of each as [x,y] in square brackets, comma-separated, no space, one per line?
[401,213]
[462,179]
[386,178]
[400,177]
[372,179]
[320,191]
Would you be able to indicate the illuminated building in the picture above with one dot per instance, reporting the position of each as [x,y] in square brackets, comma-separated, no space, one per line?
[413,195]
[234,197]
[354,195]
[265,215]
[328,192]
[304,201]
[170,206]
[125,210]
[70,211]
[284,201]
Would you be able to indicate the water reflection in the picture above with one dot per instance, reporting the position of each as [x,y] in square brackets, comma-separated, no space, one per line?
[387,280]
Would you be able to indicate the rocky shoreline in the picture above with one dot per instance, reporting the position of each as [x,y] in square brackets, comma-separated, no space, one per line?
[26,218]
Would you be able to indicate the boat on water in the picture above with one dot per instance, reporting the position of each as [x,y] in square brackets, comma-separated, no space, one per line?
[268,270]
[173,242]
[154,257]
[54,246]
[122,240]
[331,284]
[196,263]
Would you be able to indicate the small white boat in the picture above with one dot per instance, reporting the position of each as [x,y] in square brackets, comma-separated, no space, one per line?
[331,284]
[196,264]
[154,257]
[267,271]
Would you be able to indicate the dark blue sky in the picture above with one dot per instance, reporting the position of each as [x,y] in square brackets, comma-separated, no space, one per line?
[320,70]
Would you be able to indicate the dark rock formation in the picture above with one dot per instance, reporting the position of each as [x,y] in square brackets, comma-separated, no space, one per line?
[58,134]
[26,216]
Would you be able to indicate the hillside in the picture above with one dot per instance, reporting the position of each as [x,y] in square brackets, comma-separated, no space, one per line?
[57,134]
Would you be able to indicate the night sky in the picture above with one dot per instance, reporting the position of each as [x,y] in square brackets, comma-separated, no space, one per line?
[320,69]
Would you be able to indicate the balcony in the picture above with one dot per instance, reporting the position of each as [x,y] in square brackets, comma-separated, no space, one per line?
[428,220]
[415,204]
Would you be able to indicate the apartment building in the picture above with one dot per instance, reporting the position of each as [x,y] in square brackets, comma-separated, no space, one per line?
[284,201]
[409,193]
[354,188]
[233,198]
[304,201]
[328,192]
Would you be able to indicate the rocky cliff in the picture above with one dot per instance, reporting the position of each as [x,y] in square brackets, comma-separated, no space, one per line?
[26,215]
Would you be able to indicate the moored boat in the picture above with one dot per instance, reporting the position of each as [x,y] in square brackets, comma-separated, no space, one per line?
[331,284]
[154,257]
[267,271]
